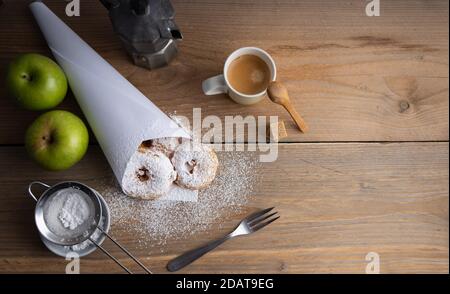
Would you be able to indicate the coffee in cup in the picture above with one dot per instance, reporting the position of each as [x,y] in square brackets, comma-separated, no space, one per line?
[249,74]
[246,76]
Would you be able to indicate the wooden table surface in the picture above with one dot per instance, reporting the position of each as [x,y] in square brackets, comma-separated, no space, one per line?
[372,174]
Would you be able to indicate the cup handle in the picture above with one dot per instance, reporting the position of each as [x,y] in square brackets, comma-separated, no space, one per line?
[214,85]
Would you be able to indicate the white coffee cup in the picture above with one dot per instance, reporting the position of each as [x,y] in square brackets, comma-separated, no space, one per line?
[220,84]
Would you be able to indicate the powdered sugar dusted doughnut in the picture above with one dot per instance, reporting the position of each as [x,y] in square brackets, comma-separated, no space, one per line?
[164,145]
[196,165]
[148,175]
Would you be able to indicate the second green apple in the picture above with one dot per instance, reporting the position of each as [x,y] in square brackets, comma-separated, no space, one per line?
[57,140]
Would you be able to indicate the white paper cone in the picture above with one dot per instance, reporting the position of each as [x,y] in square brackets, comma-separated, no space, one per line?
[120,116]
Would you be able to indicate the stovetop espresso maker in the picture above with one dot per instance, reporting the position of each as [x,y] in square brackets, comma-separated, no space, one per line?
[146,29]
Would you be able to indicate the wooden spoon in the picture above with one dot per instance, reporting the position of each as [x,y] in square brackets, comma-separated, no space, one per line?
[278,93]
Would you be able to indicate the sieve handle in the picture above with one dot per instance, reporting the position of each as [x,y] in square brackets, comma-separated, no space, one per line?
[30,186]
[125,251]
[110,256]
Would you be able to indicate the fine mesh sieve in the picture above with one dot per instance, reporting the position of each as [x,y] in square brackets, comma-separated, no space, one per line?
[77,236]
[92,223]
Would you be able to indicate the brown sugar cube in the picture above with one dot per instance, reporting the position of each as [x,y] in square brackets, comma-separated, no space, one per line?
[277,131]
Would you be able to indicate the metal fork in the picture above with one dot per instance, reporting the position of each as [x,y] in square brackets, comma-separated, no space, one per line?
[248,225]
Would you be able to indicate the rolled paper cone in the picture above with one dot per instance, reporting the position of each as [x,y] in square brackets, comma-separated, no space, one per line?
[120,116]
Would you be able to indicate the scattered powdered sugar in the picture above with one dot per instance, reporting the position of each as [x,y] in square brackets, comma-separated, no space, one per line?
[154,223]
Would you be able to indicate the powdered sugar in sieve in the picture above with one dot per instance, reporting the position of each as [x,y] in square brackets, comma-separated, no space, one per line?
[69,213]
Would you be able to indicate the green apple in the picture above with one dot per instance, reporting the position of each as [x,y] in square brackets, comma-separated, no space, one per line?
[57,140]
[36,82]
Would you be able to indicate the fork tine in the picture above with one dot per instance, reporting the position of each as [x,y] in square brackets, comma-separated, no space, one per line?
[262,225]
[257,214]
[260,219]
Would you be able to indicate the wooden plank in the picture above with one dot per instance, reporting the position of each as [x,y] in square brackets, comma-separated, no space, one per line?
[337,203]
[352,77]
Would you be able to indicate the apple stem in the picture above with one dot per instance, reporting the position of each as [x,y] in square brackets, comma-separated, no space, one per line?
[27,77]
[48,139]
